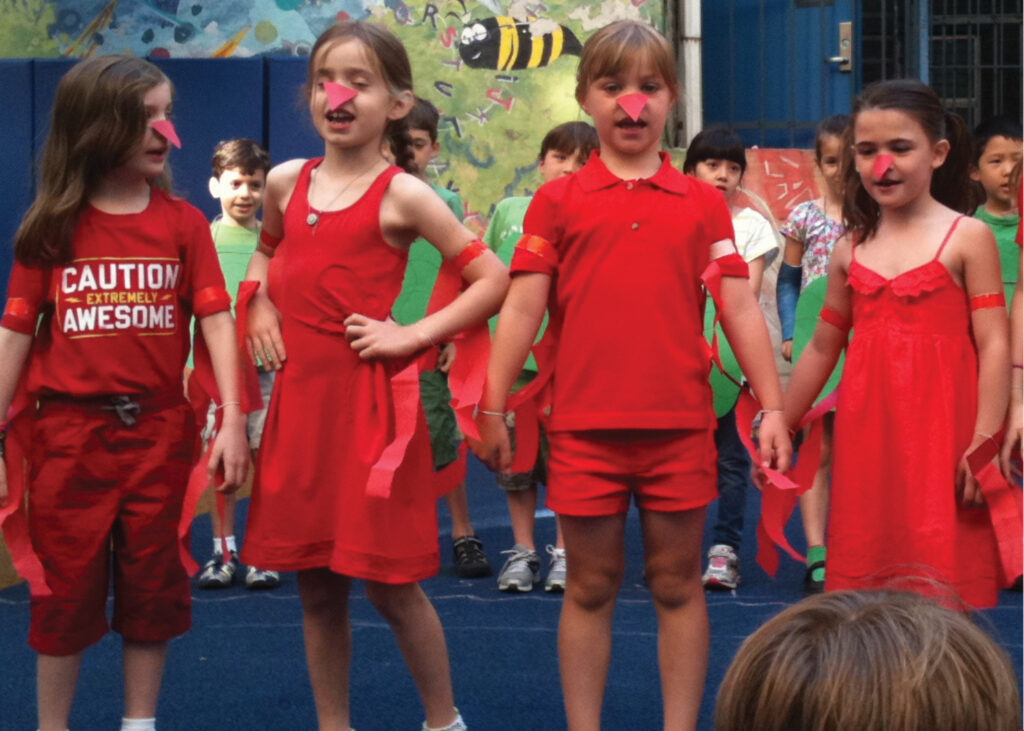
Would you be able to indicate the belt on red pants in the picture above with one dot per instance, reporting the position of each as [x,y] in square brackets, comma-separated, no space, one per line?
[126,406]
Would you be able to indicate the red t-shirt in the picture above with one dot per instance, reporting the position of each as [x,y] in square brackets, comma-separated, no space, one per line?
[116,319]
[626,302]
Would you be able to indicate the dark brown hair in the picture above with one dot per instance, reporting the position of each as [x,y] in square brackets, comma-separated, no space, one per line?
[391,59]
[242,154]
[97,121]
[570,137]
[424,116]
[833,126]
[950,182]
[616,46]
[715,143]
[870,661]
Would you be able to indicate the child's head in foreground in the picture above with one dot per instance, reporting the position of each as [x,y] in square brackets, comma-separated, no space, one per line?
[239,179]
[869,661]
[566,148]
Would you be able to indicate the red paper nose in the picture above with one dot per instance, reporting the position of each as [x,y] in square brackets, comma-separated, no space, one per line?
[338,94]
[881,166]
[165,128]
[633,104]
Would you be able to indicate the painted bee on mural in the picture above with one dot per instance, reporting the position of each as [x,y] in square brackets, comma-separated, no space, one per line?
[503,43]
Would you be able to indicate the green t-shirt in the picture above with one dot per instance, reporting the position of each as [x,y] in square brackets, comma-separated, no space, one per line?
[234,245]
[421,270]
[1005,230]
[504,231]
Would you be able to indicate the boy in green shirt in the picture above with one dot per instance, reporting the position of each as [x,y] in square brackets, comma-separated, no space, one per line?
[997,148]
[420,274]
[564,150]
[240,169]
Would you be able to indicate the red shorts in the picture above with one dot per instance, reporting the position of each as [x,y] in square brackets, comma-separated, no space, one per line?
[595,472]
[100,490]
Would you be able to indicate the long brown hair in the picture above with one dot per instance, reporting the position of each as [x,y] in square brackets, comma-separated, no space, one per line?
[97,121]
[950,182]
[393,63]
[871,661]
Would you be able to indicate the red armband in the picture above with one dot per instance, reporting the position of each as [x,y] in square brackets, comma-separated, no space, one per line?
[833,318]
[210,300]
[732,265]
[20,316]
[986,301]
[471,251]
[268,239]
[534,254]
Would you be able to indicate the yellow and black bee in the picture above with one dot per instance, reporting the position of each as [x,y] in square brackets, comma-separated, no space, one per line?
[504,43]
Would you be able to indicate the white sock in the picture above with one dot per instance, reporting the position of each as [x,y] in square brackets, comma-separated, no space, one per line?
[218,547]
[138,724]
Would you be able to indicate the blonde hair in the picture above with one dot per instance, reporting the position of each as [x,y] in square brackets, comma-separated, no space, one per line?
[870,661]
[97,121]
[616,46]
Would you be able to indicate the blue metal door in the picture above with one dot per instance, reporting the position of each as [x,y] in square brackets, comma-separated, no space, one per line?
[772,68]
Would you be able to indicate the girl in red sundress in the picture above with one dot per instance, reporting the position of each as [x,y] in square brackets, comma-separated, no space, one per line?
[334,497]
[927,370]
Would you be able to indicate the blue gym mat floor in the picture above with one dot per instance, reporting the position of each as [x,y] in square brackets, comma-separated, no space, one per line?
[242,666]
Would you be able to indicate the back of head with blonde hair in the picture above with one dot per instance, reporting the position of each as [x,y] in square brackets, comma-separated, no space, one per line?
[616,46]
[97,121]
[868,661]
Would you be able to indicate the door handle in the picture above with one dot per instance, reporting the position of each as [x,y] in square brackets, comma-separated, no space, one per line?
[845,57]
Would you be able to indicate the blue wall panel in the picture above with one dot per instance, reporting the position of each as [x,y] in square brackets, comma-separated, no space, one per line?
[16,155]
[290,132]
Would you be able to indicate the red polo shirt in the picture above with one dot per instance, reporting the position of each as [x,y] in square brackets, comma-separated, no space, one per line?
[626,302]
[116,319]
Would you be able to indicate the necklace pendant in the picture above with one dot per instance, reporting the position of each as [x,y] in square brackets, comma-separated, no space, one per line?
[312,219]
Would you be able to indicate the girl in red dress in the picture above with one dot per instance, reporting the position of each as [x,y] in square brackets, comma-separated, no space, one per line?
[321,318]
[109,269]
[927,370]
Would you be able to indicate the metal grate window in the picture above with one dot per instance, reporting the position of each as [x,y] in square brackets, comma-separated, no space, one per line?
[976,57]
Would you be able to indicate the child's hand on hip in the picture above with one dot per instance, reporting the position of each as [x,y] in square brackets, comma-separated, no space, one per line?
[382,338]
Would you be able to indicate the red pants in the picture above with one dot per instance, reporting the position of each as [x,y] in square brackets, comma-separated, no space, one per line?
[99,490]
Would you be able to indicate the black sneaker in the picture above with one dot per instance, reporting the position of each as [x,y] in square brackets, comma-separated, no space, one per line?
[812,586]
[470,561]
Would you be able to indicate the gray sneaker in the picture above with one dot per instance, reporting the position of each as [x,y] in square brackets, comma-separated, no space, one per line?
[261,579]
[521,571]
[723,568]
[556,570]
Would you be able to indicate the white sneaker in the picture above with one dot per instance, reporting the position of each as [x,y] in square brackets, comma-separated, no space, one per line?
[555,581]
[521,571]
[723,568]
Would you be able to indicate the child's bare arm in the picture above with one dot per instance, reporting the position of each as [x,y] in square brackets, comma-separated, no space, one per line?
[1015,417]
[14,350]
[820,356]
[229,448]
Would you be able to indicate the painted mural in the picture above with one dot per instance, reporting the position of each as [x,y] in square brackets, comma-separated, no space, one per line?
[501,73]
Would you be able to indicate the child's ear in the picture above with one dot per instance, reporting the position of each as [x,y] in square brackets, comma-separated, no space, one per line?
[401,104]
[214,186]
[975,173]
[940,150]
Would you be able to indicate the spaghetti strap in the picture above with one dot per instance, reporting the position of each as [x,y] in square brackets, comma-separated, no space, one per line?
[948,234]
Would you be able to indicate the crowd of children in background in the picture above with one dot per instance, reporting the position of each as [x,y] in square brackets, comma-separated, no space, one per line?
[361,286]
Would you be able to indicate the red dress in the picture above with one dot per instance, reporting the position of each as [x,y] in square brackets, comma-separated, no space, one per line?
[331,413]
[905,416]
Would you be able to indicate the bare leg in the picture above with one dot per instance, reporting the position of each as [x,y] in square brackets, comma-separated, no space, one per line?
[596,562]
[522,504]
[814,502]
[227,526]
[328,639]
[420,639]
[559,538]
[672,564]
[56,678]
[458,507]
[143,672]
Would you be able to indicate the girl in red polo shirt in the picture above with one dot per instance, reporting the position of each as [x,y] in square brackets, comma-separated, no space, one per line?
[109,269]
[330,264]
[926,376]
[616,252]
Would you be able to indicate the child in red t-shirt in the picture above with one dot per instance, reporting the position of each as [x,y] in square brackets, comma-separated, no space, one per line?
[616,253]
[109,270]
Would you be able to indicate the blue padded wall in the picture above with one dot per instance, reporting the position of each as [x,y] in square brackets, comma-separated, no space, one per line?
[16,155]
[290,132]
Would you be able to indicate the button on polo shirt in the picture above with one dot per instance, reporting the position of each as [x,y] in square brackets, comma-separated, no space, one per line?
[626,299]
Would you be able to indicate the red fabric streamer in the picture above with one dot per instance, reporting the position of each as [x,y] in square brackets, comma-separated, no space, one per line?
[448,477]
[1005,507]
[527,426]
[13,517]
[405,406]
[985,301]
[731,265]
